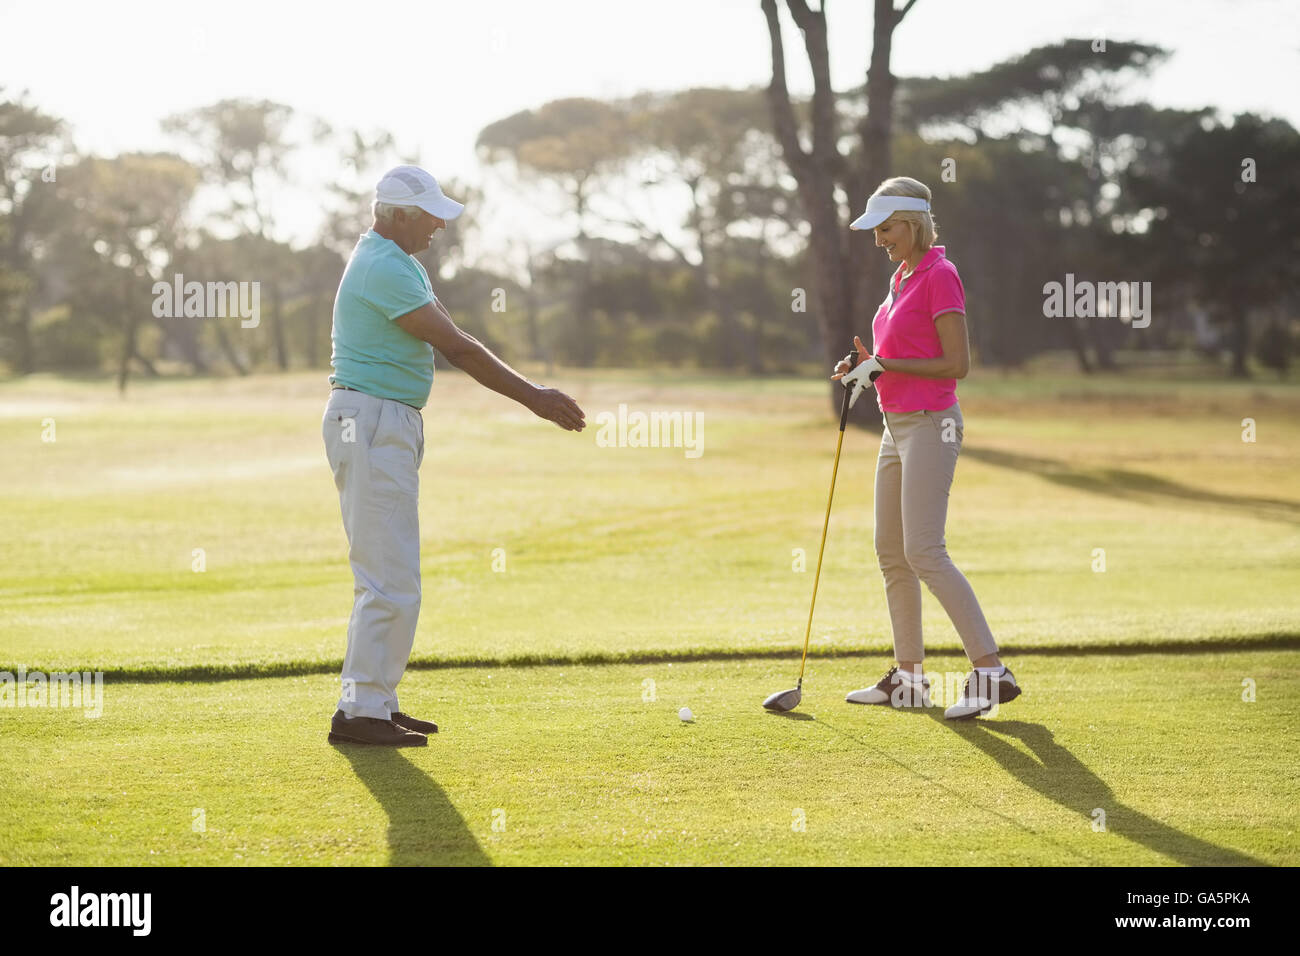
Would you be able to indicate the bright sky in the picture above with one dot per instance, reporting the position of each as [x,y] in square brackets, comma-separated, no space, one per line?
[435,73]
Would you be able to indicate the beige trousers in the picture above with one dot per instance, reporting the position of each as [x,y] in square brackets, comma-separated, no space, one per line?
[918,455]
[374,447]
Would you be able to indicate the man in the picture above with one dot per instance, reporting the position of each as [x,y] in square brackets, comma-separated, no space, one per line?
[387,322]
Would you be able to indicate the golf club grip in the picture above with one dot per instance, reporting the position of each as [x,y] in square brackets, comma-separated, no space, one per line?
[844,405]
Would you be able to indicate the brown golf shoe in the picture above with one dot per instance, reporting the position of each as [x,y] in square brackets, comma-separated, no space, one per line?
[414,723]
[372,731]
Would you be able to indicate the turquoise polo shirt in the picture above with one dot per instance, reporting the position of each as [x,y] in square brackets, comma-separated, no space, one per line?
[372,353]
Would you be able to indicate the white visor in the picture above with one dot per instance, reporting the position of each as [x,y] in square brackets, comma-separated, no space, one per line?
[880,208]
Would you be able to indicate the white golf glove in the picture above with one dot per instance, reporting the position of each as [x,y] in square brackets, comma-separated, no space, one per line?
[862,376]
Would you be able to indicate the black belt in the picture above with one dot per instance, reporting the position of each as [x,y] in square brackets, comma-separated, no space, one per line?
[348,388]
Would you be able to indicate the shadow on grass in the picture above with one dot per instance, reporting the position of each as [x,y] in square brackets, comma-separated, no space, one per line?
[1133,485]
[1061,777]
[424,829]
[790,715]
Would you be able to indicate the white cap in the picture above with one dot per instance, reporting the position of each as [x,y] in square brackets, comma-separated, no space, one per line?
[880,208]
[413,186]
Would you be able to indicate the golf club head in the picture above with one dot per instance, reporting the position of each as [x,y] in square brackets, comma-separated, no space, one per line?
[784,700]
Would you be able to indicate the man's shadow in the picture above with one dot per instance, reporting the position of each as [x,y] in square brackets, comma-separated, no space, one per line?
[424,829]
[1062,777]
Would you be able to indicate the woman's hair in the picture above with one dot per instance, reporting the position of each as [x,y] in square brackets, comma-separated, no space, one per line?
[924,232]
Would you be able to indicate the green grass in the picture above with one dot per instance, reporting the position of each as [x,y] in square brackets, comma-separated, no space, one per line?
[579,768]
[626,551]
[638,558]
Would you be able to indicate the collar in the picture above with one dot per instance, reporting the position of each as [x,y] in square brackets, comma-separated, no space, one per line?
[932,255]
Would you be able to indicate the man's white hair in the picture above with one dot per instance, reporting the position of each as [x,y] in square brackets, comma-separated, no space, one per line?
[387,212]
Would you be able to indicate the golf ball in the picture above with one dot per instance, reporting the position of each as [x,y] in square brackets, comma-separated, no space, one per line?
[685,714]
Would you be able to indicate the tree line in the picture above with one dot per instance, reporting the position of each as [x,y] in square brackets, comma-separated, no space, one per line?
[702,227]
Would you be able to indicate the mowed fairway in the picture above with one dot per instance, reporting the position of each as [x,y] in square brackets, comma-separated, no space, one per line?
[644,580]
[563,765]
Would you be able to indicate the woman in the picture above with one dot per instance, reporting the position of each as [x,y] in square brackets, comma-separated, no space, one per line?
[922,349]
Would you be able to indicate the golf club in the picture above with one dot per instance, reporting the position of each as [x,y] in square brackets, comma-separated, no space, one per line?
[787,700]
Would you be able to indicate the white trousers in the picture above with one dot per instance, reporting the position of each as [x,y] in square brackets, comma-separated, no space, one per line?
[375,447]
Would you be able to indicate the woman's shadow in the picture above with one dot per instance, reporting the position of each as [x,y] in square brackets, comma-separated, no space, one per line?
[424,829]
[1061,777]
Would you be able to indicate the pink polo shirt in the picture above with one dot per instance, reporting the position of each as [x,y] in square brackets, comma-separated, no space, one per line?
[904,328]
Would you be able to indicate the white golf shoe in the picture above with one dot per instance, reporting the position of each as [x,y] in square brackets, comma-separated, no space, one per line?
[895,690]
[983,694]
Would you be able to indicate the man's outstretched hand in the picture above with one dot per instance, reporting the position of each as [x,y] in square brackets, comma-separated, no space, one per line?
[432,323]
[555,406]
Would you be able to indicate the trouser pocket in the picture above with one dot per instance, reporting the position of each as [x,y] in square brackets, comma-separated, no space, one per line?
[394,458]
[948,423]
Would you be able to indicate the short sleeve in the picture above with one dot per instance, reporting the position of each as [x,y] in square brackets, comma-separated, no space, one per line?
[946,293]
[395,291]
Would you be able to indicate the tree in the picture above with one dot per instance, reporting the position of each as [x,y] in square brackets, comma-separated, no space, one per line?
[129,223]
[32,145]
[318,268]
[1222,204]
[823,173]
[242,145]
[352,190]
[705,138]
[876,131]
[1068,175]
[572,143]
